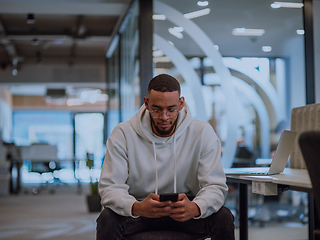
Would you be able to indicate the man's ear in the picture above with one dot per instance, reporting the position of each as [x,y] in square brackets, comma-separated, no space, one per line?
[181,103]
[145,99]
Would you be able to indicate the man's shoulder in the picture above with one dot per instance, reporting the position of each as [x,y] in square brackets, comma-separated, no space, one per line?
[201,126]
[123,127]
[195,123]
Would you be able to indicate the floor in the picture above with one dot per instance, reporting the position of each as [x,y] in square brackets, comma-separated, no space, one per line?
[64,216]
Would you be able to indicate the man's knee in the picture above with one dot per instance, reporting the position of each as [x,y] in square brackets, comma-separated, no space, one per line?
[225,214]
[222,224]
[105,215]
[108,219]
[223,219]
[108,225]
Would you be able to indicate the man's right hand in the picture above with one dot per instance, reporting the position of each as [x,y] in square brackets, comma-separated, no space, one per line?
[151,207]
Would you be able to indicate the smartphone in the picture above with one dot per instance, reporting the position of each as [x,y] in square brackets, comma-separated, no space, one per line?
[173,197]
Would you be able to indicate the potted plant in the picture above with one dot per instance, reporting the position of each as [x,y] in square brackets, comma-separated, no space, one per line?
[93,199]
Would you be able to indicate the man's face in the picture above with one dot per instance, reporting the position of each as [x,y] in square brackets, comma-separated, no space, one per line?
[166,102]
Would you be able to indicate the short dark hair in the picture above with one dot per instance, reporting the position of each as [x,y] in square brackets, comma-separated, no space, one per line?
[164,83]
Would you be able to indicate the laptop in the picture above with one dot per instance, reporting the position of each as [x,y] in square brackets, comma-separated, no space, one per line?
[279,160]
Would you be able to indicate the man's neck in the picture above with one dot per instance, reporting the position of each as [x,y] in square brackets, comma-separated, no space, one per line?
[160,135]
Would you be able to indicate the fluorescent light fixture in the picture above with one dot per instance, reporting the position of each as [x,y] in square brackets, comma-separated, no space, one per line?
[247,32]
[300,31]
[178,29]
[203,3]
[267,48]
[175,33]
[159,17]
[31,19]
[197,13]
[35,42]
[275,5]
[286,5]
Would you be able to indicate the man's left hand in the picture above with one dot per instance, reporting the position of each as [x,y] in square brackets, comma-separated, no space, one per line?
[184,209]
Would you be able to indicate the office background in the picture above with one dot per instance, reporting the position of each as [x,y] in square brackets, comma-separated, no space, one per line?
[81,63]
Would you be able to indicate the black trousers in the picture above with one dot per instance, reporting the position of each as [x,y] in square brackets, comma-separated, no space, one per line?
[218,226]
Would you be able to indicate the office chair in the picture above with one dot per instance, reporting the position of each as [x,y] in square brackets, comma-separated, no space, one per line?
[309,143]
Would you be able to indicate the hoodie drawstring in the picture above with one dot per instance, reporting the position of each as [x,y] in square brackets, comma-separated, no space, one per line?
[155,163]
[175,169]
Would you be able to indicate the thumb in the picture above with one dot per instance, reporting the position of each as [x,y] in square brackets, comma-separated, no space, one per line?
[154,196]
[182,196]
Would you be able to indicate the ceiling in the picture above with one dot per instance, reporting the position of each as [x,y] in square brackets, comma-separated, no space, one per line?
[78,31]
[70,31]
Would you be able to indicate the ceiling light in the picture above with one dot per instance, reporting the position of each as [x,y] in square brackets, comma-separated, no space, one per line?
[171,43]
[30,19]
[300,31]
[216,47]
[35,42]
[175,33]
[159,17]
[203,3]
[247,32]
[286,5]
[178,29]
[197,13]
[14,72]
[267,48]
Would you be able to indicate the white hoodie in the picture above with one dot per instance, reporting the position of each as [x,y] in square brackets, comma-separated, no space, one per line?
[138,162]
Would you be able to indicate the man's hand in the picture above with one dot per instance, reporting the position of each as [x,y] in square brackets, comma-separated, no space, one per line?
[151,207]
[184,209]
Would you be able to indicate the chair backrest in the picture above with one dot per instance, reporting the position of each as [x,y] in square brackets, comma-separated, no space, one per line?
[303,119]
[310,147]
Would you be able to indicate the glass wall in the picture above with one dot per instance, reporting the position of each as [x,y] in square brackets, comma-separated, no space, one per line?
[89,141]
[123,71]
[65,130]
[45,127]
[51,127]
[240,65]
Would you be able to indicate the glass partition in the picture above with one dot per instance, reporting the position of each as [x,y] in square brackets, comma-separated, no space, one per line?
[123,71]
[240,64]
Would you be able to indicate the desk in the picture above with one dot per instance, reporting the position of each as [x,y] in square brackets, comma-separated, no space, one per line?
[290,179]
[16,164]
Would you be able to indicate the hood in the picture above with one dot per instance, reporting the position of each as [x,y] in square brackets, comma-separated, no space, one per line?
[141,124]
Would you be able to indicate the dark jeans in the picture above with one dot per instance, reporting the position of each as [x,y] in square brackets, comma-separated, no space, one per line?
[218,226]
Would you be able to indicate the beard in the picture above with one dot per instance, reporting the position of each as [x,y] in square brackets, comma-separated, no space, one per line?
[160,131]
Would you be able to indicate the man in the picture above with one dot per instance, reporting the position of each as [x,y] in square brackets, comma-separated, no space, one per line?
[162,149]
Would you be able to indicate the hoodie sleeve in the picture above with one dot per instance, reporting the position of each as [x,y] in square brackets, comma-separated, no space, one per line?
[212,180]
[112,185]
